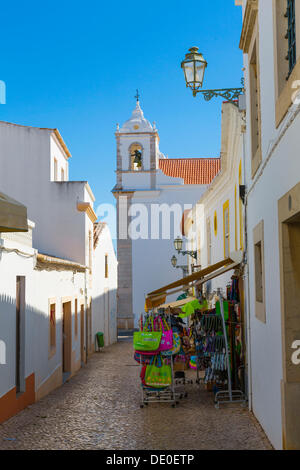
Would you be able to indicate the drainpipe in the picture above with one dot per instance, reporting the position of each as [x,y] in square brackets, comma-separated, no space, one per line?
[86,315]
[247,283]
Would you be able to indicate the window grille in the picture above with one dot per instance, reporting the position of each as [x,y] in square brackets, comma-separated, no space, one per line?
[291,35]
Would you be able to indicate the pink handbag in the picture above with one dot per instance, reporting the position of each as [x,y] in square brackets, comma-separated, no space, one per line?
[166,342]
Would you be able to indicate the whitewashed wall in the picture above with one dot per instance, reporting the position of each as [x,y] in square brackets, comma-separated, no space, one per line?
[26,159]
[105,289]
[40,287]
[151,258]
[221,190]
[278,177]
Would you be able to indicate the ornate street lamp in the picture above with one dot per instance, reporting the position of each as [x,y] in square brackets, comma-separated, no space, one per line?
[174,261]
[178,244]
[194,66]
[178,247]
[185,269]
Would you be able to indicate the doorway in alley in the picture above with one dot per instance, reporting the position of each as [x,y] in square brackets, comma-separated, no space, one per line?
[67,339]
[82,352]
[20,335]
[289,225]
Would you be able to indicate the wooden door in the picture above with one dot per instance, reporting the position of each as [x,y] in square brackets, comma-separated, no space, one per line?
[67,337]
[82,333]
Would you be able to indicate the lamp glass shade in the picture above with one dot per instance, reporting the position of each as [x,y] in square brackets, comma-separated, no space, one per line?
[199,72]
[194,66]
[178,244]
[174,261]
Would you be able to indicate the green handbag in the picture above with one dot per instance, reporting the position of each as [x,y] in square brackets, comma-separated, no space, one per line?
[158,377]
[146,340]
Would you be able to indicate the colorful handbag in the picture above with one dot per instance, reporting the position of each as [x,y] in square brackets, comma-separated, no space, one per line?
[147,340]
[143,357]
[176,346]
[166,342]
[158,377]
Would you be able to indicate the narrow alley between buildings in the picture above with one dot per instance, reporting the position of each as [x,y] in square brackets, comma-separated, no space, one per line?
[99,409]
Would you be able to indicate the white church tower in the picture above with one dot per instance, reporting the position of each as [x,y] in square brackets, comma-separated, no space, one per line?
[137,163]
[148,181]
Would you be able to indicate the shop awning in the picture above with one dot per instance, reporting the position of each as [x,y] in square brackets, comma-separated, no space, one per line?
[154,302]
[178,303]
[13,215]
[200,277]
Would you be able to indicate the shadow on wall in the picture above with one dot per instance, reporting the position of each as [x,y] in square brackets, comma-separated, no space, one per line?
[105,316]
[26,361]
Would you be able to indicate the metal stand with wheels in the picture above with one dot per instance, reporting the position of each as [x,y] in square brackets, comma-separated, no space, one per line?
[165,395]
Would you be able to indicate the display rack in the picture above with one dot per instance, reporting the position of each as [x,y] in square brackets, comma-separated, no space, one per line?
[228,396]
[168,394]
[213,355]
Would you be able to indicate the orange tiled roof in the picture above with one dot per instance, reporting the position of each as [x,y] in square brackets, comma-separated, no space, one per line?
[192,170]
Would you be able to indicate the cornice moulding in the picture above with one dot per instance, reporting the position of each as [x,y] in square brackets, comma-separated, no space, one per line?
[248,24]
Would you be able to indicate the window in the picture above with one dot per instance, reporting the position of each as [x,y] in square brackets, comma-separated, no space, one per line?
[52,325]
[216,224]
[106,267]
[258,272]
[55,170]
[76,318]
[258,242]
[255,107]
[286,51]
[62,175]
[136,160]
[291,35]
[241,209]
[249,43]
[208,239]
[226,229]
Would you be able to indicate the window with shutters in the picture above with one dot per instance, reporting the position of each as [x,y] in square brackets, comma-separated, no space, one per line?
[226,229]
[255,108]
[291,35]
[286,54]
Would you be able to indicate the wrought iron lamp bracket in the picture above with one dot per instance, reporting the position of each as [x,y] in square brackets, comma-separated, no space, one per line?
[229,94]
[193,254]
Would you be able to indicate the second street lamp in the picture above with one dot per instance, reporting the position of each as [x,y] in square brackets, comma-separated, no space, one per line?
[194,66]
[178,247]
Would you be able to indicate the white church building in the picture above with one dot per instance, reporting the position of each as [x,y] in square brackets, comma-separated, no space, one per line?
[152,194]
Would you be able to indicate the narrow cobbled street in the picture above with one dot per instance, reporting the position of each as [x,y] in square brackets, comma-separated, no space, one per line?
[99,409]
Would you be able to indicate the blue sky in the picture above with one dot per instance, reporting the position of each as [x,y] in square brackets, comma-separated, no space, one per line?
[76,66]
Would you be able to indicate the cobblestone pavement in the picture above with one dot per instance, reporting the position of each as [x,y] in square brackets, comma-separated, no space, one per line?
[99,409]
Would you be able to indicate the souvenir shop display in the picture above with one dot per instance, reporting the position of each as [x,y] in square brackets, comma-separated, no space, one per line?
[217,336]
[202,336]
[156,345]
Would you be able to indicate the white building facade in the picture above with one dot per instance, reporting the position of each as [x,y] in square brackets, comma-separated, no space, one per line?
[215,225]
[152,194]
[58,280]
[271,44]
